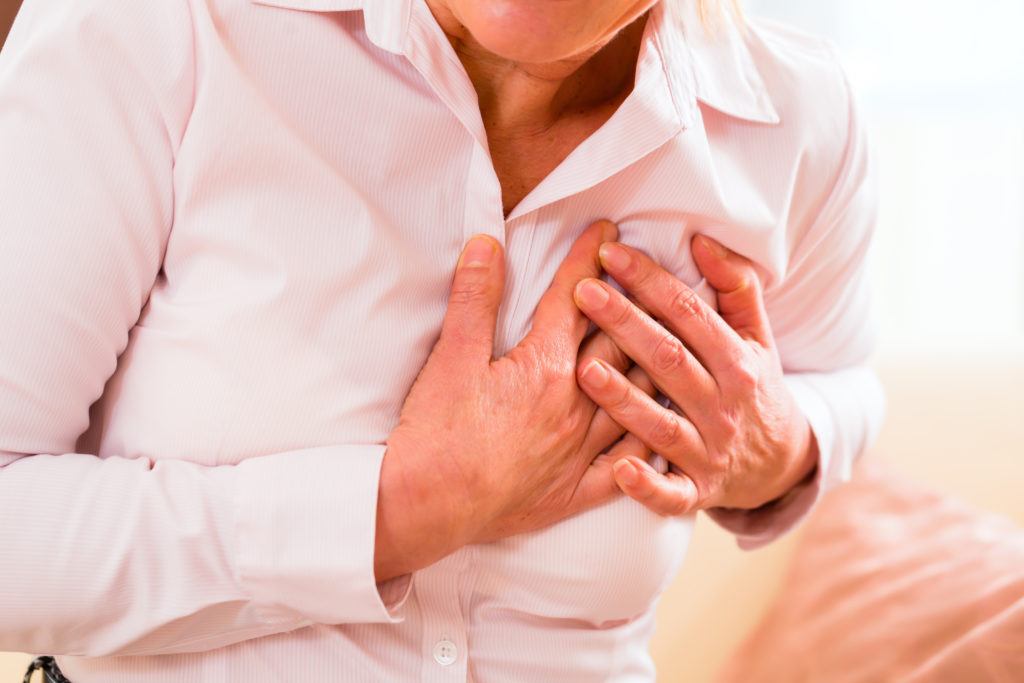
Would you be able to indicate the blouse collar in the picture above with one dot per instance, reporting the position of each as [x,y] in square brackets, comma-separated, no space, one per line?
[712,65]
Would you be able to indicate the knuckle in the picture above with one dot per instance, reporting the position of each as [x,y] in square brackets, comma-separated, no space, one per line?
[623,402]
[468,292]
[647,492]
[715,484]
[677,505]
[645,277]
[749,279]
[669,355]
[666,432]
[730,421]
[745,374]
[567,430]
[623,315]
[685,303]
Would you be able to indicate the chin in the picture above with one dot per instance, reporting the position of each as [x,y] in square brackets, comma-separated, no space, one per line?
[530,32]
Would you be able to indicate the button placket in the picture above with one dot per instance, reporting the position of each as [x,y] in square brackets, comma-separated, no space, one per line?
[445,652]
[483,212]
[519,268]
[444,641]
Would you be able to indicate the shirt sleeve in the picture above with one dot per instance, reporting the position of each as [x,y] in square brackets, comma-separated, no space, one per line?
[824,329]
[127,555]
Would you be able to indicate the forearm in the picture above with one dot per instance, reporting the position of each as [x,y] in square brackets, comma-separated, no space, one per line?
[127,556]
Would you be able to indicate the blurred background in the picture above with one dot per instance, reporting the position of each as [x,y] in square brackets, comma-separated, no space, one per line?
[941,85]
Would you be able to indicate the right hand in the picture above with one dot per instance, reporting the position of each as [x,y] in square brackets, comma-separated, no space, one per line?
[488,448]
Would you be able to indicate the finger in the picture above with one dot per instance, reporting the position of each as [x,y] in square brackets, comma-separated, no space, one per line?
[604,431]
[667,494]
[598,482]
[627,447]
[679,308]
[595,486]
[740,301]
[600,345]
[661,430]
[665,358]
[468,327]
[557,319]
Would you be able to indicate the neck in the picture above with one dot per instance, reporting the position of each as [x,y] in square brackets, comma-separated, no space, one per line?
[519,98]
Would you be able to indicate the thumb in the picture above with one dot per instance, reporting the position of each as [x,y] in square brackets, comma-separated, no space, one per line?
[468,328]
[740,302]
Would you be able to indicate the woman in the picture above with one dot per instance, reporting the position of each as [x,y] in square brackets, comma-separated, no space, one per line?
[229,227]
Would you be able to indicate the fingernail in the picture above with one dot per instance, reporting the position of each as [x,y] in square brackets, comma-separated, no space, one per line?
[595,374]
[609,231]
[614,257]
[591,294]
[626,472]
[479,252]
[713,246]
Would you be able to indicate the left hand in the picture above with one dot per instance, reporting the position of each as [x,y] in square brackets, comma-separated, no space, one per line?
[738,439]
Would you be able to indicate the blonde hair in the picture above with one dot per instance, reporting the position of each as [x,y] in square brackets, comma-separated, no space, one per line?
[711,10]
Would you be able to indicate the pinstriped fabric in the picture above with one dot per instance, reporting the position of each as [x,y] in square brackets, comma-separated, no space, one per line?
[231,227]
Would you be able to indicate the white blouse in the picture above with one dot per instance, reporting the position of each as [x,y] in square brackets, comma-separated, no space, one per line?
[229,227]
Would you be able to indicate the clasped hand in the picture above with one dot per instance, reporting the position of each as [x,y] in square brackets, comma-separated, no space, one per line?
[734,436]
[487,447]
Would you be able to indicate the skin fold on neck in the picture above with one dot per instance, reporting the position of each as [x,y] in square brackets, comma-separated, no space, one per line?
[535,114]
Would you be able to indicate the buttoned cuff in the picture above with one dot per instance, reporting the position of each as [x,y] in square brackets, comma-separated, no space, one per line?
[305,527]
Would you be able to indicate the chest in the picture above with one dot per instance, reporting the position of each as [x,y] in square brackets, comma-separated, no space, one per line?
[307,273]
[306,277]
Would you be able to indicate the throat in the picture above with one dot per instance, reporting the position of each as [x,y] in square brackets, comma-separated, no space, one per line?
[536,115]
[522,160]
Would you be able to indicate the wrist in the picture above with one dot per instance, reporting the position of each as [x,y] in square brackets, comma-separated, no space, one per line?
[809,456]
[801,466]
[805,466]
[418,522]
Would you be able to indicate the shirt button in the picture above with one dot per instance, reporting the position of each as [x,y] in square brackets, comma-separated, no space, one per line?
[445,653]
